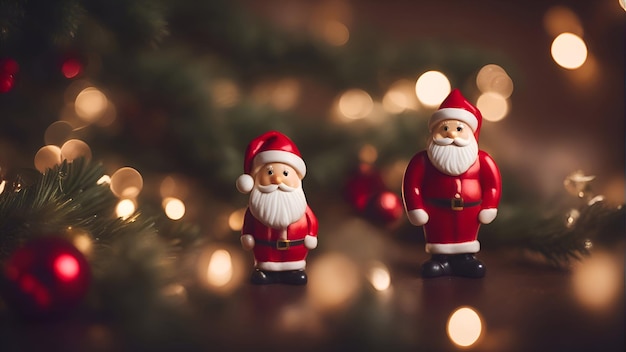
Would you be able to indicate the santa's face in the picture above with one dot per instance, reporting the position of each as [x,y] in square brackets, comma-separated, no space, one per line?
[452,147]
[277,199]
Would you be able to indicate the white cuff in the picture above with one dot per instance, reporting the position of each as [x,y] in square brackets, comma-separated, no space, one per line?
[310,242]
[417,217]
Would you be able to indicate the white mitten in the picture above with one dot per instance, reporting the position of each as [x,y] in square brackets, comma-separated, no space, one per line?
[247,242]
[310,242]
[417,217]
[486,216]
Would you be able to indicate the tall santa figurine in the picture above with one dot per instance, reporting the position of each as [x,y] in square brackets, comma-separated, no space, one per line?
[279,227]
[451,188]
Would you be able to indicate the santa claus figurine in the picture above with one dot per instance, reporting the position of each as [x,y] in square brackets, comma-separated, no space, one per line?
[451,188]
[279,227]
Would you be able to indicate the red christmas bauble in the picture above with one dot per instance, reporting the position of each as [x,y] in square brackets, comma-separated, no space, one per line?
[362,185]
[6,82]
[8,70]
[386,207]
[46,276]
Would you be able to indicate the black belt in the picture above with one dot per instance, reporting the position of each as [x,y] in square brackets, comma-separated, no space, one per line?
[452,203]
[281,244]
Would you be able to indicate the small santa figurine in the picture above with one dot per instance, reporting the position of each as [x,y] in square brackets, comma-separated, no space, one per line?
[451,188]
[279,227]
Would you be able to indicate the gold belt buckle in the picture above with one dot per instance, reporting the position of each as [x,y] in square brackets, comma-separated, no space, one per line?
[282,244]
[456,203]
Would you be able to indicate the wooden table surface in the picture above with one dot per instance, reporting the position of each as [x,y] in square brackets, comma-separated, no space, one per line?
[522,305]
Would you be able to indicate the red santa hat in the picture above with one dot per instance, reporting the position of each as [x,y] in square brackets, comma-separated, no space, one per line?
[270,147]
[456,107]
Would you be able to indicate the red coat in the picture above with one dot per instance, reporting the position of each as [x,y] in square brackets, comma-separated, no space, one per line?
[268,257]
[448,230]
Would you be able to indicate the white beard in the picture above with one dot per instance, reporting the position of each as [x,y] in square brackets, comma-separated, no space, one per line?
[277,206]
[453,157]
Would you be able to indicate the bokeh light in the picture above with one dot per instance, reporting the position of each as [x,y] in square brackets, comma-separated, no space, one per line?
[90,104]
[235,220]
[597,280]
[432,88]
[174,208]
[492,106]
[569,51]
[125,208]
[335,33]
[281,94]
[333,282]
[220,268]
[126,182]
[57,133]
[379,277]
[176,293]
[493,79]
[81,239]
[368,154]
[225,93]
[355,104]
[560,19]
[74,149]
[66,267]
[464,327]
[400,97]
[105,179]
[47,157]
[71,68]
[622,3]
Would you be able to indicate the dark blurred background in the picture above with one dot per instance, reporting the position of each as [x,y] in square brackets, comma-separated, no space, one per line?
[177,89]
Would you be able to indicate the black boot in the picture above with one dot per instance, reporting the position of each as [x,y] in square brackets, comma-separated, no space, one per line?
[293,277]
[467,265]
[260,277]
[438,265]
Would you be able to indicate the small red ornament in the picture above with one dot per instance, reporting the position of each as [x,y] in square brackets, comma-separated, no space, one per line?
[367,193]
[71,68]
[386,207]
[46,276]
[8,70]
[362,185]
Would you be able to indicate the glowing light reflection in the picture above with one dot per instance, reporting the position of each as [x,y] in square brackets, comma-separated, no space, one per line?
[569,51]
[74,149]
[174,208]
[368,154]
[597,280]
[235,220]
[400,97]
[333,282]
[66,267]
[125,208]
[336,33]
[126,182]
[47,157]
[493,106]
[379,277]
[432,88]
[559,19]
[90,104]
[464,327]
[494,79]
[220,269]
[57,133]
[355,104]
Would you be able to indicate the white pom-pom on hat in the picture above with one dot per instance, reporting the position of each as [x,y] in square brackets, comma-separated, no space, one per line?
[270,147]
[245,183]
